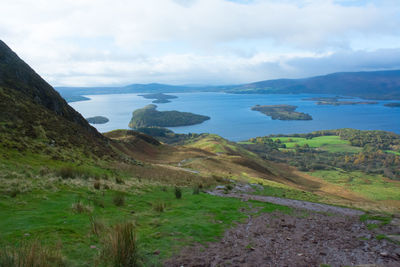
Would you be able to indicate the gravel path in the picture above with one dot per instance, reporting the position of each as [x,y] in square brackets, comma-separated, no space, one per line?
[277,239]
[329,235]
[311,206]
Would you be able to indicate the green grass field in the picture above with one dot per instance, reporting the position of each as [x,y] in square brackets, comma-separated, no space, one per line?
[287,192]
[393,152]
[327,143]
[374,187]
[49,217]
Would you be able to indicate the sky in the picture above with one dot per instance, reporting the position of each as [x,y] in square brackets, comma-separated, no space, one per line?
[199,42]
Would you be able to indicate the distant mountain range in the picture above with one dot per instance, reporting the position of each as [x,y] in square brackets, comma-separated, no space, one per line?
[72,94]
[368,85]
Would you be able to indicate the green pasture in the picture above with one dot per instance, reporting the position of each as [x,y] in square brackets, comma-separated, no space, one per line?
[329,143]
[374,187]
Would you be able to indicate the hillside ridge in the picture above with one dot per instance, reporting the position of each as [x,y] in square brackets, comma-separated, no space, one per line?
[17,75]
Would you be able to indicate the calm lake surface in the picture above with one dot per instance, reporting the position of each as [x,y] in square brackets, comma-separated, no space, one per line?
[232,118]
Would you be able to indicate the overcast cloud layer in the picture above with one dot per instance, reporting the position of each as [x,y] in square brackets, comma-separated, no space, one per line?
[116,42]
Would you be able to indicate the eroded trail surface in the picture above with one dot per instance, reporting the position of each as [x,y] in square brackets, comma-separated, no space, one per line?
[301,238]
[293,203]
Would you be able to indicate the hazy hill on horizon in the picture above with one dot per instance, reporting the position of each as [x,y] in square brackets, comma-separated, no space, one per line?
[74,93]
[366,84]
[383,85]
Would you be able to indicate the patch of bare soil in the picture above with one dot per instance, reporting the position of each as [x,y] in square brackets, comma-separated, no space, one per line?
[318,207]
[314,234]
[297,239]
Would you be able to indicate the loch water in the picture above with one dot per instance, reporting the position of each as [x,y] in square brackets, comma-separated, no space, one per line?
[232,117]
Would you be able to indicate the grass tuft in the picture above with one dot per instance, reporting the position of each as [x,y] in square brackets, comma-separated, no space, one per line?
[119,199]
[14,192]
[44,171]
[196,190]
[69,172]
[80,207]
[97,185]
[97,225]
[384,219]
[159,206]
[118,180]
[32,254]
[99,202]
[178,193]
[120,246]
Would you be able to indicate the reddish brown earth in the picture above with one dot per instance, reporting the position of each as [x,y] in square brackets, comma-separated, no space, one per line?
[301,238]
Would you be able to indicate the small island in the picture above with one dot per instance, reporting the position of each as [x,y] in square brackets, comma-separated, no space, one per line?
[149,116]
[282,112]
[97,120]
[392,105]
[334,101]
[159,97]
[75,98]
[338,103]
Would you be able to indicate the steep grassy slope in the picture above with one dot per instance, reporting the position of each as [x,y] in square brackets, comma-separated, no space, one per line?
[40,131]
[15,74]
[34,117]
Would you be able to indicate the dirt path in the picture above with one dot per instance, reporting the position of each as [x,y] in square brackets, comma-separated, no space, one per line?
[276,239]
[323,234]
[316,207]
[182,162]
[178,168]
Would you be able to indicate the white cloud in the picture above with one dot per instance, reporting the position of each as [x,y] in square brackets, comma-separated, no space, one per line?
[87,42]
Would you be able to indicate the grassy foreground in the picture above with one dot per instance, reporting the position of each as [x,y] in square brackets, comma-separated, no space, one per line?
[77,219]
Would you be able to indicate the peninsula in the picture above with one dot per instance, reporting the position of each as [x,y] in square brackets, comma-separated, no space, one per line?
[159,97]
[334,101]
[150,116]
[282,112]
